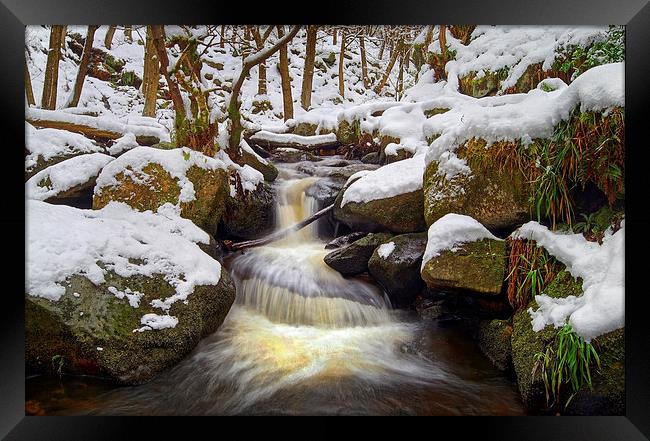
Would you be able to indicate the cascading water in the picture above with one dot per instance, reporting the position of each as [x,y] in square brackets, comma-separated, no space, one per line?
[302,339]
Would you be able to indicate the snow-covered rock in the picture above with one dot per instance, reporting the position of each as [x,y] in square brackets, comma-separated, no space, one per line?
[121,280]
[147,177]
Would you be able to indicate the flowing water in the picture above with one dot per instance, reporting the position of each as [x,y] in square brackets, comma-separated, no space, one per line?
[302,339]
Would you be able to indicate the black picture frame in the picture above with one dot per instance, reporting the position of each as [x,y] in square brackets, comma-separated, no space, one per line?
[635,14]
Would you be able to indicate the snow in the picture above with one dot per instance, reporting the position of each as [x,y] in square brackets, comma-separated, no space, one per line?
[126,142]
[64,241]
[175,161]
[132,296]
[601,307]
[450,232]
[65,175]
[519,116]
[390,180]
[514,47]
[386,249]
[290,138]
[156,321]
[137,125]
[48,143]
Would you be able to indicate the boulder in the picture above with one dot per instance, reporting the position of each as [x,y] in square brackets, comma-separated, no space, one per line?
[345,240]
[348,132]
[396,266]
[497,198]
[371,158]
[146,178]
[250,214]
[72,178]
[399,214]
[494,342]
[90,331]
[608,394]
[353,259]
[475,266]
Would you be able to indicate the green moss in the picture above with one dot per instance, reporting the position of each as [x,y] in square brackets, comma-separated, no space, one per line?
[45,183]
[563,285]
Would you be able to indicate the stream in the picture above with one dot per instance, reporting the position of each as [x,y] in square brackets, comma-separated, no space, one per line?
[302,339]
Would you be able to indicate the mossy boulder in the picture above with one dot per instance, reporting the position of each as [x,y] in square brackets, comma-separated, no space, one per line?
[353,259]
[250,214]
[399,214]
[607,396]
[475,266]
[90,331]
[155,186]
[305,129]
[478,86]
[496,197]
[494,341]
[399,272]
[268,170]
[348,132]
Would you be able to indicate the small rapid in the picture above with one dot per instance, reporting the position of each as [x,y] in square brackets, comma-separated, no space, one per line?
[302,339]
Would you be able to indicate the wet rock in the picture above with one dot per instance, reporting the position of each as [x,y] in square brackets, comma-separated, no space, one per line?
[399,272]
[91,333]
[250,214]
[268,170]
[371,158]
[347,239]
[399,214]
[494,341]
[353,259]
[290,155]
[343,173]
[476,266]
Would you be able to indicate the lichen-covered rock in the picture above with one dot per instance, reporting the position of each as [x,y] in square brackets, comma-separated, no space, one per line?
[607,397]
[250,214]
[353,258]
[494,342]
[475,266]
[348,132]
[399,214]
[497,198]
[397,267]
[90,331]
[268,170]
[146,178]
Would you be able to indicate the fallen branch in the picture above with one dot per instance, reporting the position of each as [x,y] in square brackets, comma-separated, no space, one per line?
[279,234]
[270,140]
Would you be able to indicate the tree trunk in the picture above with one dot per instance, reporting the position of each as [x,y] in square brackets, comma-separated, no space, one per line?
[108,40]
[400,78]
[381,49]
[389,68]
[364,67]
[234,104]
[287,99]
[222,42]
[28,87]
[157,32]
[442,39]
[334,36]
[308,73]
[50,83]
[342,66]
[128,33]
[150,76]
[83,66]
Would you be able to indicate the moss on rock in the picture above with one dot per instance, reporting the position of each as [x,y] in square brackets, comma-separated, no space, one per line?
[251,214]
[353,259]
[92,332]
[494,342]
[476,266]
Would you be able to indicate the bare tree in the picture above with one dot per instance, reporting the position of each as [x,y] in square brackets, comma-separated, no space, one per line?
[260,39]
[389,68]
[29,92]
[157,32]
[50,83]
[108,40]
[150,76]
[364,66]
[308,74]
[333,35]
[342,65]
[83,66]
[287,99]
[234,104]
[128,33]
